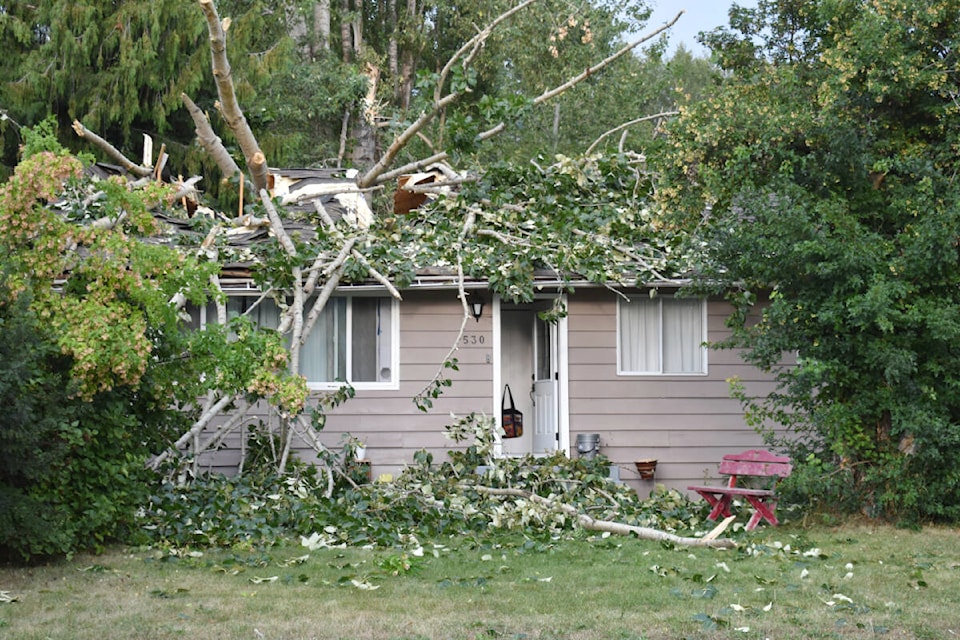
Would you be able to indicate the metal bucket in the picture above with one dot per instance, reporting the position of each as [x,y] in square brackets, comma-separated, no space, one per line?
[588,444]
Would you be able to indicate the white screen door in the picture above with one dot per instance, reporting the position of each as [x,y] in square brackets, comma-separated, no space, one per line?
[545,385]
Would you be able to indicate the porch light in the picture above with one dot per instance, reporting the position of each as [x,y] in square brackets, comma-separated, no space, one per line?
[476,306]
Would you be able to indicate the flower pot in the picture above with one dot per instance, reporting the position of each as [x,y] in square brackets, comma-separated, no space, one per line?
[646,468]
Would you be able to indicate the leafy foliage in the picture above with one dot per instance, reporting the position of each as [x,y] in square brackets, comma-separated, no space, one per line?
[584,216]
[103,371]
[71,471]
[428,500]
[821,177]
[31,389]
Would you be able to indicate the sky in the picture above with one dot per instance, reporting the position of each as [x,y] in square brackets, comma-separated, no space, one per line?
[699,15]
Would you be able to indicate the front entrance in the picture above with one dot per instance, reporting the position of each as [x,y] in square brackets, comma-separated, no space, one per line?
[530,362]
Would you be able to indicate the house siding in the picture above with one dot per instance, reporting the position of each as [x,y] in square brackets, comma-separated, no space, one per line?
[686,422]
[389,422]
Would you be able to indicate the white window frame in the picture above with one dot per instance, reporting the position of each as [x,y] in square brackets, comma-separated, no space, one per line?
[394,383]
[660,341]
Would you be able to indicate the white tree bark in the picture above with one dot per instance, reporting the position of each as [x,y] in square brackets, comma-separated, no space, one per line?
[212,411]
[209,140]
[321,20]
[618,528]
[232,113]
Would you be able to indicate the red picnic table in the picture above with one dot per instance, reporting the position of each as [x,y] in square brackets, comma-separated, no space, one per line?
[754,463]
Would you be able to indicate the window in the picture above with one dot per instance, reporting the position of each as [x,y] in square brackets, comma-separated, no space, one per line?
[355,339]
[661,336]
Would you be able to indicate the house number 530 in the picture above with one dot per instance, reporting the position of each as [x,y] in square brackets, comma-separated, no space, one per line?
[472,339]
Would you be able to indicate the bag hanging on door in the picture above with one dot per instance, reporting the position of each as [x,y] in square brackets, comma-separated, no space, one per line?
[512,420]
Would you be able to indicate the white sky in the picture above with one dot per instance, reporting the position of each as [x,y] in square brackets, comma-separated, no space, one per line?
[699,15]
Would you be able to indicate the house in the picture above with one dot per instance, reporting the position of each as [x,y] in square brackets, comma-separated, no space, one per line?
[628,366]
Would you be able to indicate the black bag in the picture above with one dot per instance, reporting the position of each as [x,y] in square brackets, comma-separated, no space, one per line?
[512,419]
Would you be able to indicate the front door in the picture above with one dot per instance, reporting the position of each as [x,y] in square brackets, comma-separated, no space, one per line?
[528,363]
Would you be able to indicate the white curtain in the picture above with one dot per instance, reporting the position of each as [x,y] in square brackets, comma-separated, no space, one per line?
[682,336]
[323,357]
[371,348]
[661,335]
[640,336]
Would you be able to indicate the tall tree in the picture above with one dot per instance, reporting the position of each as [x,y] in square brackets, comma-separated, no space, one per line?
[114,65]
[120,68]
[823,173]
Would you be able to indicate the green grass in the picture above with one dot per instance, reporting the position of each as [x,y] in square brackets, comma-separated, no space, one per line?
[864,582]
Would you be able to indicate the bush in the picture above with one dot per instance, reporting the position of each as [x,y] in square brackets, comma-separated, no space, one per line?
[36,411]
[72,472]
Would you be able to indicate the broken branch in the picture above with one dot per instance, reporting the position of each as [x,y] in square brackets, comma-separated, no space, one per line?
[590,524]
[110,150]
[209,140]
[222,75]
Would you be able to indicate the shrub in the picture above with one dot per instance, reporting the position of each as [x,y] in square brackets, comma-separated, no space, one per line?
[71,471]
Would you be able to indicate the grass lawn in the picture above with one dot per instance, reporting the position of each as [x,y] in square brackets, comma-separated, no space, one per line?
[790,582]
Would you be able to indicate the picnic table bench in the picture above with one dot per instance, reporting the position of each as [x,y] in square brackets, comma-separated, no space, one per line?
[754,463]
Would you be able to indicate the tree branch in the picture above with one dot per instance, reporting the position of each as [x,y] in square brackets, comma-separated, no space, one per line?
[469,51]
[295,312]
[625,125]
[209,140]
[110,150]
[619,528]
[256,161]
[379,175]
[209,413]
[546,95]
[572,82]
[359,257]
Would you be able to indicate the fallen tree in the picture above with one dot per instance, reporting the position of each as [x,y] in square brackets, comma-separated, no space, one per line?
[591,524]
[132,257]
[470,494]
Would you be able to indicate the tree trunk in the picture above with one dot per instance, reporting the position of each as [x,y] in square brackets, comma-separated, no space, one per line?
[314,33]
[321,26]
[364,153]
[346,41]
[408,58]
[393,45]
[356,27]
